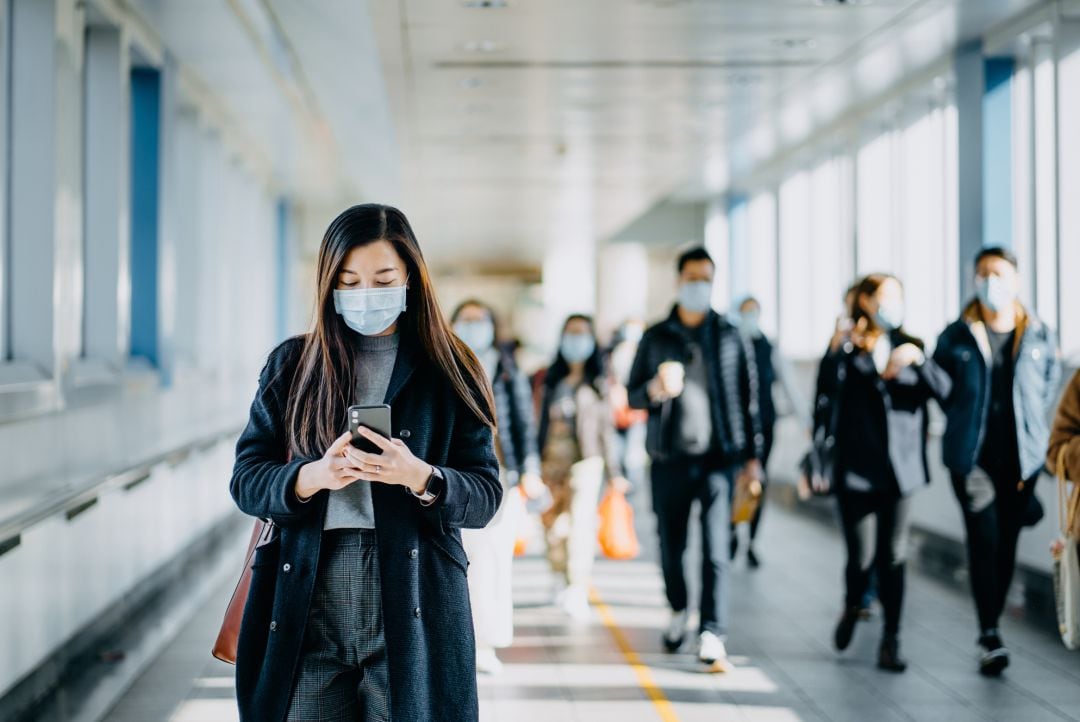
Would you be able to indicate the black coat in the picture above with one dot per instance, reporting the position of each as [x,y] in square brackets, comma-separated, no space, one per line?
[426,614]
[733,387]
[964,352]
[881,426]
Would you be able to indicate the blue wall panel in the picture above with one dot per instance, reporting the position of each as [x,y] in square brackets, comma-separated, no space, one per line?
[145,157]
[997,152]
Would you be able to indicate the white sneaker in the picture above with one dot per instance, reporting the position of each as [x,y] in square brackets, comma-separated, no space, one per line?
[676,630]
[711,650]
[575,602]
[487,662]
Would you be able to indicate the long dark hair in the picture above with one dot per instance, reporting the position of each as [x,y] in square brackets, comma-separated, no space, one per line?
[323,383]
[594,365]
[863,321]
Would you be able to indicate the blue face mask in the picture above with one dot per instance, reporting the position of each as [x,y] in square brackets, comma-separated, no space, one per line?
[577,347]
[478,335]
[749,324]
[696,296]
[890,316]
[994,293]
[370,311]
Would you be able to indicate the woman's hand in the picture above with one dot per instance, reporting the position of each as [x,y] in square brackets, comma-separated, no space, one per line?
[902,356]
[332,471]
[620,484]
[395,465]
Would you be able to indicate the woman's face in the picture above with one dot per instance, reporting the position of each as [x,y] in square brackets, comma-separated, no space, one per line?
[577,326]
[889,294]
[375,265]
[471,313]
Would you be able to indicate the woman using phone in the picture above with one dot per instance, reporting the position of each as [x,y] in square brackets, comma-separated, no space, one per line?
[882,381]
[577,452]
[359,606]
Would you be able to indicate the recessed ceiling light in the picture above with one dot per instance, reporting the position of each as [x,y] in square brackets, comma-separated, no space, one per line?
[795,43]
[481,46]
[486,4]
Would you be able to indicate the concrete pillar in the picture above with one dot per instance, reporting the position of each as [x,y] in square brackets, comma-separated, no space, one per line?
[970,85]
[623,275]
[45,197]
[1068,164]
[107,189]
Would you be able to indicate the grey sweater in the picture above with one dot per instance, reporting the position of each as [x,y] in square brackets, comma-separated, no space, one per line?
[351,508]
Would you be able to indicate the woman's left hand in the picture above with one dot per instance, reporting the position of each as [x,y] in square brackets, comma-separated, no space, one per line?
[621,484]
[903,356]
[395,465]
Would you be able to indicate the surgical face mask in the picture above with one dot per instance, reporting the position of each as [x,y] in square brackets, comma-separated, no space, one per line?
[370,311]
[890,316]
[632,333]
[478,335]
[577,347]
[696,296]
[749,323]
[994,293]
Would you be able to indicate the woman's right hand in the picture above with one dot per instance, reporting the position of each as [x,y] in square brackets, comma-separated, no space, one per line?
[333,471]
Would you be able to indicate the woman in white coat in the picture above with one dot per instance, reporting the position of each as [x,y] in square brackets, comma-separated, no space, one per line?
[491,550]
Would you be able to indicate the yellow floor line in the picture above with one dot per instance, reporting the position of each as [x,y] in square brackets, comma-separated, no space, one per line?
[641,670]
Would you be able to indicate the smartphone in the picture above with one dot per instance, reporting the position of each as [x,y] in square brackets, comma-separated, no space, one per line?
[376,418]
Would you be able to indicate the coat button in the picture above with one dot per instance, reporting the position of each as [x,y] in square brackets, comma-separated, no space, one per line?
[273,626]
[405,433]
[413,554]
[416,612]
[287,567]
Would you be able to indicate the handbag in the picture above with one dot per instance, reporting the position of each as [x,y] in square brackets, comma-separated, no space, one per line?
[616,535]
[1066,557]
[748,491]
[818,465]
[226,642]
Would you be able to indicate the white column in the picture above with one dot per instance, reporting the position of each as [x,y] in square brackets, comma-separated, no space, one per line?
[107,191]
[1068,163]
[623,279]
[718,244]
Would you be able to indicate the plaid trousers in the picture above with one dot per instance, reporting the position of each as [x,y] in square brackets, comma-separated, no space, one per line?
[343,671]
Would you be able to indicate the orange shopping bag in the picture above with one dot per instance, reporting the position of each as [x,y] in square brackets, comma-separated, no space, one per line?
[617,537]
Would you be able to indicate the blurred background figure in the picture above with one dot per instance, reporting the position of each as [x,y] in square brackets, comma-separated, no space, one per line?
[629,422]
[578,452]
[697,378]
[1004,364]
[491,549]
[880,381]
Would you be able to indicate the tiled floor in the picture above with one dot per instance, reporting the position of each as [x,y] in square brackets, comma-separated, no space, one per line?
[786,670]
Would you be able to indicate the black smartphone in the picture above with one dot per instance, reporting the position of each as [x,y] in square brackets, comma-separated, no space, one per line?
[376,418]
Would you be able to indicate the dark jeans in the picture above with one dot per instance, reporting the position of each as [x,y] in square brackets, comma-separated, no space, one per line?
[676,485]
[993,516]
[875,530]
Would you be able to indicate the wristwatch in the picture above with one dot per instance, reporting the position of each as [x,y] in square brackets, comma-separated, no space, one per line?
[427,497]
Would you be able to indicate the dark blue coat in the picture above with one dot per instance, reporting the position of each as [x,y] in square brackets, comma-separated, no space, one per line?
[733,387]
[964,352]
[426,614]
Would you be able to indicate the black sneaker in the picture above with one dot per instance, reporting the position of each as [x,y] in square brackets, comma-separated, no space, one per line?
[889,657]
[845,628]
[733,546]
[993,656]
[752,558]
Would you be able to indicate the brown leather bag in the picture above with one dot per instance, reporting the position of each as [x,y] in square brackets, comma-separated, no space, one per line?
[225,645]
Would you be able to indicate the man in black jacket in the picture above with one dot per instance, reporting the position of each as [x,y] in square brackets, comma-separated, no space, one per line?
[1004,365]
[696,375]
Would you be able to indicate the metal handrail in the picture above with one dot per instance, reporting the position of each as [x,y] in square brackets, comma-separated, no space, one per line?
[75,501]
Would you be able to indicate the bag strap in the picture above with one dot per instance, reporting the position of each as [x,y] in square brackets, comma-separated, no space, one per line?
[1064,522]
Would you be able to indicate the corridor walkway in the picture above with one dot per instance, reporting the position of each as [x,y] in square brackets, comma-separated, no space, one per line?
[612,667]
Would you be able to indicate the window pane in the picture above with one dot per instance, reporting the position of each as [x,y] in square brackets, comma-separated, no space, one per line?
[875,204]
[796,311]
